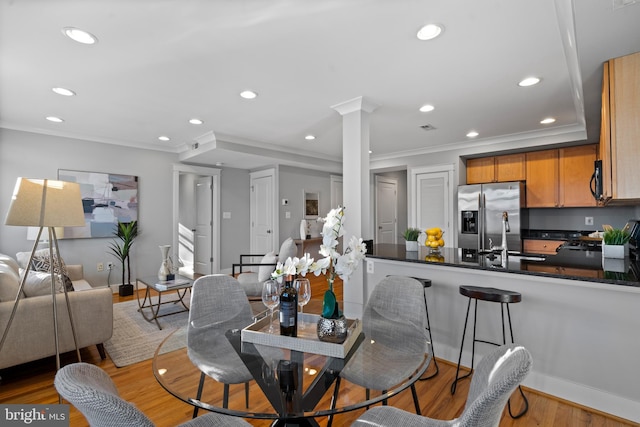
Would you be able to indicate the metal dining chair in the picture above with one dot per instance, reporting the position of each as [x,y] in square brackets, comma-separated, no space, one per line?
[93,393]
[218,304]
[395,341]
[496,377]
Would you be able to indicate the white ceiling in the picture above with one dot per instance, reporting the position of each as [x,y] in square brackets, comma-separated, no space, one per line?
[159,63]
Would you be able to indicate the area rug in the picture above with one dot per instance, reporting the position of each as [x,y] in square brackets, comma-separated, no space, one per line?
[134,339]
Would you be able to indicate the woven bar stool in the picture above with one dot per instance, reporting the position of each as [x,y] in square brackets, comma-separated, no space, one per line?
[505,298]
[426,283]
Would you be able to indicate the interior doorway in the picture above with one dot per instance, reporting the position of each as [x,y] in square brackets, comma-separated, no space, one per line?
[264,211]
[386,221]
[191,201]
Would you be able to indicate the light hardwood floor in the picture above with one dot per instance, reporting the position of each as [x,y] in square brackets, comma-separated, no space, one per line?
[33,383]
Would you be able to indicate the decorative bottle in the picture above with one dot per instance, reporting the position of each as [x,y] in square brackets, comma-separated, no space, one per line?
[289,309]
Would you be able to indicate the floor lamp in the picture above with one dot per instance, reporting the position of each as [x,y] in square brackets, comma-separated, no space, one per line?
[45,203]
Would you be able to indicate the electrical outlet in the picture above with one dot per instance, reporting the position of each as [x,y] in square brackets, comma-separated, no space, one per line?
[100,266]
[110,266]
[588,220]
[369,266]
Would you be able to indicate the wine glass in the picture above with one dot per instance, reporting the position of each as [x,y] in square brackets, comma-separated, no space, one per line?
[303,288]
[271,299]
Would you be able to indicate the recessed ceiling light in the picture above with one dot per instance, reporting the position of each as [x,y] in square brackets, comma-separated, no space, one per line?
[55,119]
[430,31]
[529,81]
[164,138]
[248,94]
[309,137]
[79,35]
[547,120]
[370,152]
[472,134]
[63,91]
[196,121]
[426,108]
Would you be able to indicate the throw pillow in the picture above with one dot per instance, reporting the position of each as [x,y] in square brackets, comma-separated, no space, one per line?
[264,273]
[287,249]
[39,283]
[6,259]
[9,283]
[42,263]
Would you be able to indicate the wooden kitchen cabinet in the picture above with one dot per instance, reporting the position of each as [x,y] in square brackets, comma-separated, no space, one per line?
[505,168]
[575,165]
[560,178]
[547,247]
[542,179]
[620,129]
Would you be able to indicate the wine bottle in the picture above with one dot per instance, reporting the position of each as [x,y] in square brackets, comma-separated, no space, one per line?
[289,309]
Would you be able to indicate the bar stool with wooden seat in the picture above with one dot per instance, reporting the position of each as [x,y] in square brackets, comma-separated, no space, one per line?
[504,297]
[426,283]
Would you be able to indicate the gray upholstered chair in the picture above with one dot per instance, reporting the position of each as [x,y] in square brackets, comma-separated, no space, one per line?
[496,377]
[218,304]
[395,342]
[92,392]
[252,282]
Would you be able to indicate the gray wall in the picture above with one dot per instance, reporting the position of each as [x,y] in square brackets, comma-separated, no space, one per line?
[32,155]
[292,182]
[573,218]
[234,231]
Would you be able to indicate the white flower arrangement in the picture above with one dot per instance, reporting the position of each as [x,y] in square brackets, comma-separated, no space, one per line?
[333,263]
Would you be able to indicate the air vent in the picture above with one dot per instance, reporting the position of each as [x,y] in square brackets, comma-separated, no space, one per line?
[427,127]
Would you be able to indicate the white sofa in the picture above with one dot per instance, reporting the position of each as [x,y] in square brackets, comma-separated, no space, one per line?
[31,337]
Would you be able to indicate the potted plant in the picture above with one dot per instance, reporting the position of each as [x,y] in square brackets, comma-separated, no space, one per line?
[125,234]
[614,242]
[411,235]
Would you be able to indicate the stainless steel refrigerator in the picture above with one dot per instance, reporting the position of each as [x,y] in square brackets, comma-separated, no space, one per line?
[480,212]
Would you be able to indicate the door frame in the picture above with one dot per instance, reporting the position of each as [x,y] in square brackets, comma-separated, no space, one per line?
[274,174]
[413,191]
[380,179]
[214,173]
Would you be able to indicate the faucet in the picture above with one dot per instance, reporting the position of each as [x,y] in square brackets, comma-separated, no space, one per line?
[504,251]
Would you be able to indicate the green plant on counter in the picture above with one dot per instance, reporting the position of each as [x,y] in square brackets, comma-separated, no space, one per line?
[616,236]
[411,234]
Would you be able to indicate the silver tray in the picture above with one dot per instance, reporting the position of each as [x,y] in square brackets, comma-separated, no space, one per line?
[307,340]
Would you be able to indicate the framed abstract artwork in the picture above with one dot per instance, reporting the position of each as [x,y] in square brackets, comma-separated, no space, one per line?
[107,199]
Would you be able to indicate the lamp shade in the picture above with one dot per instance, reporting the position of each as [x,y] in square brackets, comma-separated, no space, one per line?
[45,203]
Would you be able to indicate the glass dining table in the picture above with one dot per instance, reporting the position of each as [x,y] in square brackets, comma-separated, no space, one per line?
[291,387]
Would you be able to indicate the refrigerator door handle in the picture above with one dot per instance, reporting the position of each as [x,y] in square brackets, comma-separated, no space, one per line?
[481,221]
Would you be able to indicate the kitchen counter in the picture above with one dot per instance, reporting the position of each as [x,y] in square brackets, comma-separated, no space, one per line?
[575,312]
[587,265]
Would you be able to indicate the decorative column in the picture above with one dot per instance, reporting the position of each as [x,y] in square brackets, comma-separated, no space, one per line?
[356,192]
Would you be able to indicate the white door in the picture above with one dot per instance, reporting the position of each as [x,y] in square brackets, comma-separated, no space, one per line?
[386,210]
[203,239]
[433,203]
[263,229]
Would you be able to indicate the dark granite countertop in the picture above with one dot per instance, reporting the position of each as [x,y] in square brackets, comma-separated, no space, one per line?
[570,264]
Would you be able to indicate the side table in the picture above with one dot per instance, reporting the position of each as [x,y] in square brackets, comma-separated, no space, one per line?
[181,285]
